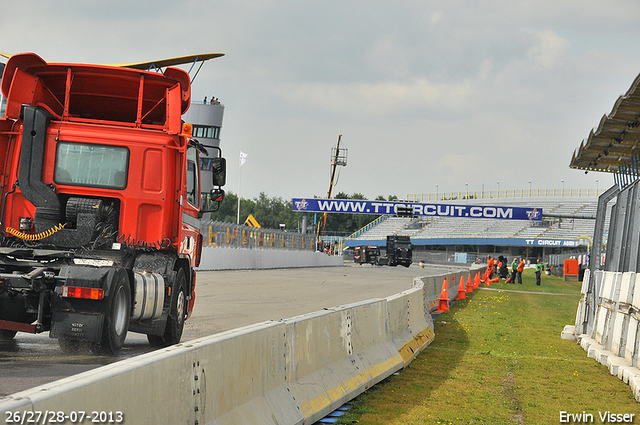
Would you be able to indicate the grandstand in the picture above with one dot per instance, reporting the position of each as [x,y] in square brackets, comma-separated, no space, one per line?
[567,224]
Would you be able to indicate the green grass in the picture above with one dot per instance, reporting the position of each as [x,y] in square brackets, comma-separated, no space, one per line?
[498,359]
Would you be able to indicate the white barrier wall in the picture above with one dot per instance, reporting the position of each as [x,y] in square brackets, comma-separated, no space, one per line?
[293,371]
[338,354]
[607,323]
[254,259]
[410,329]
[433,285]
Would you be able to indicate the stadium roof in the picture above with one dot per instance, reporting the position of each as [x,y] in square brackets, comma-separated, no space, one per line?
[614,146]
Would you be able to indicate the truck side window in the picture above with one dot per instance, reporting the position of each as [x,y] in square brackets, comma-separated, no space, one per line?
[193,186]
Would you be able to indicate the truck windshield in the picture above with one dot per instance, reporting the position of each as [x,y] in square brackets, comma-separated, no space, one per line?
[85,164]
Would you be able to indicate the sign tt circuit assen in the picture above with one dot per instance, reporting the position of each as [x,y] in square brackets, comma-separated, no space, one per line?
[435,210]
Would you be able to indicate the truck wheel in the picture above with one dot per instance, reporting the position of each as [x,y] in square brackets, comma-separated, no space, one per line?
[118,313]
[178,312]
[177,315]
[7,335]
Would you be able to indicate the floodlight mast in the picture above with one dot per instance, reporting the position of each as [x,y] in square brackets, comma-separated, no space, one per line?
[338,158]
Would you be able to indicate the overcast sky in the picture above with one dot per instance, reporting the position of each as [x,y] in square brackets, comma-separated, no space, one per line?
[424,93]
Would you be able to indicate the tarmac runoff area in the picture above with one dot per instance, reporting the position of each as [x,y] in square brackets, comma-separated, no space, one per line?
[224,300]
[231,299]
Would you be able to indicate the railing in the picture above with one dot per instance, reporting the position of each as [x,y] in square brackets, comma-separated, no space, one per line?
[503,194]
[227,235]
[367,227]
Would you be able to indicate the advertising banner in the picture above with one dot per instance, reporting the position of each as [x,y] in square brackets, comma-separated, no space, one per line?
[355,206]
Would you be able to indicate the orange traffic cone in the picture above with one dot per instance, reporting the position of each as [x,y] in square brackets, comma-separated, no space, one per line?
[469,284]
[443,301]
[476,281]
[461,290]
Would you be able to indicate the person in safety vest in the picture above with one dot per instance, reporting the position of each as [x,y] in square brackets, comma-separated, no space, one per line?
[539,268]
[490,265]
[520,270]
[514,267]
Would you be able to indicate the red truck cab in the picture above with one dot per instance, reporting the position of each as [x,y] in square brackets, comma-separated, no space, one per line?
[100,202]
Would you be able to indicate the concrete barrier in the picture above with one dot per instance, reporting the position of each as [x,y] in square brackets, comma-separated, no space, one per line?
[432,285]
[338,354]
[410,326]
[607,323]
[254,259]
[293,371]
[210,380]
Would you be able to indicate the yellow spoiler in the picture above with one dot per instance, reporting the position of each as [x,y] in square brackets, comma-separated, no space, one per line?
[180,60]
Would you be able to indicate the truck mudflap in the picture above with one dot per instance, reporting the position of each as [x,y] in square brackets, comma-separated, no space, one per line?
[77,326]
[192,298]
[93,304]
[80,319]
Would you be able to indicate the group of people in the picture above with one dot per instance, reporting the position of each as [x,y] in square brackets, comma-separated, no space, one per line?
[213,101]
[517,267]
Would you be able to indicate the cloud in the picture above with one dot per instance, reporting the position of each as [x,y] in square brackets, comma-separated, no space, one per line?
[549,49]
[423,89]
[382,99]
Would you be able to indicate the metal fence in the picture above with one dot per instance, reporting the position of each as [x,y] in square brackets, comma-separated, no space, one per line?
[503,194]
[471,257]
[227,235]
[623,250]
[557,260]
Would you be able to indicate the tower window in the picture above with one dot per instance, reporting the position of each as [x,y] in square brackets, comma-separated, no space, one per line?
[206,131]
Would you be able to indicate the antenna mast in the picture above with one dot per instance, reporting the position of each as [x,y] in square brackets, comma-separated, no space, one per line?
[338,158]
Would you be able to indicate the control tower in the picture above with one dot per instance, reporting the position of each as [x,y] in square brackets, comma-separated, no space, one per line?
[206,118]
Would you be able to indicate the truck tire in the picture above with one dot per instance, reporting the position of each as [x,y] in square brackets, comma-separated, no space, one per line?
[117,315]
[177,315]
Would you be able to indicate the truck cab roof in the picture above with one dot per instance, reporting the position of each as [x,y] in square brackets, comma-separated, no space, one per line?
[95,92]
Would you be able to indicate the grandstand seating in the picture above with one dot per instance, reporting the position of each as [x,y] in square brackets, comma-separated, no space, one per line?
[474,228]
[390,226]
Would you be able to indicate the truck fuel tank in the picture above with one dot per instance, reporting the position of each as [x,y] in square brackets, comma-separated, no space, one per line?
[148,298]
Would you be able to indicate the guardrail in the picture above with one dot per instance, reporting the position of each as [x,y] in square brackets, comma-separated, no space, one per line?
[227,235]
[503,194]
[607,323]
[374,223]
[292,371]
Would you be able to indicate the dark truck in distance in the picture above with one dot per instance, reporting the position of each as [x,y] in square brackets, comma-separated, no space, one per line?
[366,254]
[398,252]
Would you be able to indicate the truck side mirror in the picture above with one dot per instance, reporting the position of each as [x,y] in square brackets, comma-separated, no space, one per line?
[217,195]
[218,167]
[213,203]
[219,171]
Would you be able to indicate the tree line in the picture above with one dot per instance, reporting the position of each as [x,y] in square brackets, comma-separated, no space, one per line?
[271,212]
